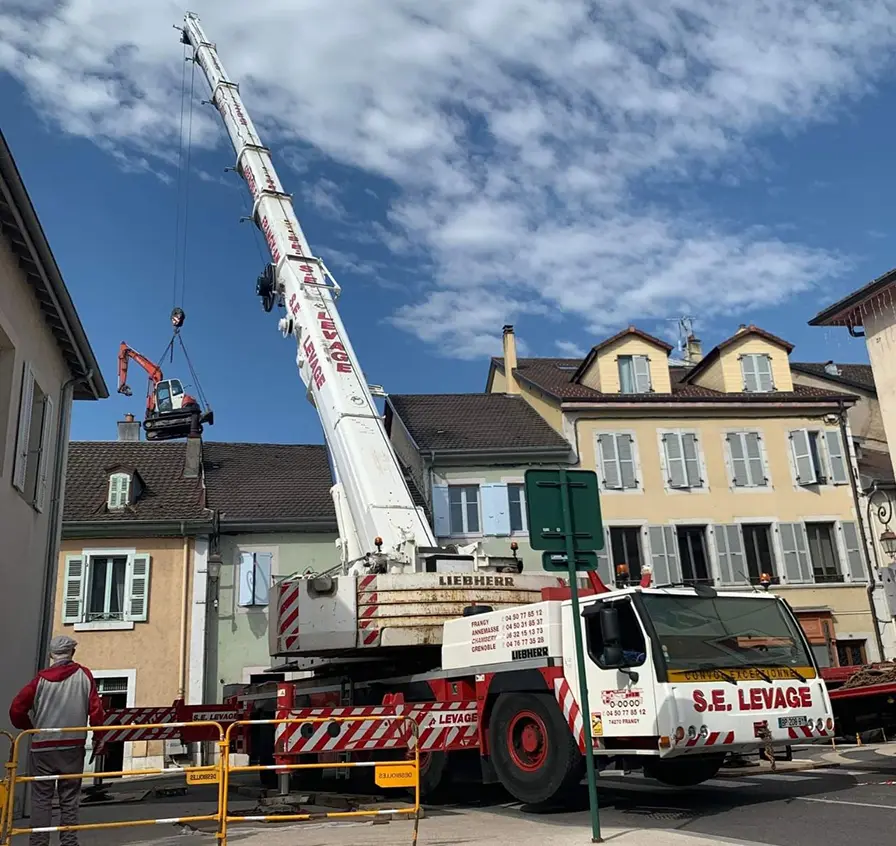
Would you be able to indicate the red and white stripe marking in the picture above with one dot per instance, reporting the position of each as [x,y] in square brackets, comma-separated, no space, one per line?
[288,616]
[127,716]
[714,738]
[442,726]
[368,611]
[571,711]
[802,732]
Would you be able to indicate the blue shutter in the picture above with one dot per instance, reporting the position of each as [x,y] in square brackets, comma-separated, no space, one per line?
[495,509]
[440,511]
[246,579]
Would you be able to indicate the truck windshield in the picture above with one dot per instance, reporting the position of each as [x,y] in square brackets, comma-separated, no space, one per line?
[707,633]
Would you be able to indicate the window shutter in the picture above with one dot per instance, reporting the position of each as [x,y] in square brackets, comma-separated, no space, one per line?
[755,464]
[137,589]
[797,568]
[247,576]
[675,466]
[23,434]
[691,460]
[663,555]
[836,458]
[440,511]
[854,558]
[642,373]
[748,369]
[764,381]
[730,546]
[609,461]
[73,590]
[626,453]
[263,570]
[43,467]
[802,457]
[739,470]
[495,509]
[604,569]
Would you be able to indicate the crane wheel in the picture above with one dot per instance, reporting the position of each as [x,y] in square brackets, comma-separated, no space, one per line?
[684,772]
[534,754]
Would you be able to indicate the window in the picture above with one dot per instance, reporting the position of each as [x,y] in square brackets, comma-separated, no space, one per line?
[747,464]
[7,378]
[634,374]
[463,505]
[757,372]
[818,457]
[119,490]
[616,455]
[163,397]
[823,552]
[758,550]
[106,587]
[516,501]
[32,460]
[692,554]
[682,461]
[625,548]
[851,653]
[255,573]
[633,644]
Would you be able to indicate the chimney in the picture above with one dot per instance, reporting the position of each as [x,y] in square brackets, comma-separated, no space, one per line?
[129,429]
[193,458]
[694,349]
[741,328]
[831,369]
[510,360]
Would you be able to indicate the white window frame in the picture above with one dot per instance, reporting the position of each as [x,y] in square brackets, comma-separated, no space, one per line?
[840,546]
[131,702]
[824,456]
[632,357]
[636,460]
[466,483]
[743,374]
[729,462]
[123,498]
[106,625]
[522,484]
[701,461]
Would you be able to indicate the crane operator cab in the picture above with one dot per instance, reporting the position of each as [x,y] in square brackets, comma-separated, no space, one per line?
[170,396]
[174,414]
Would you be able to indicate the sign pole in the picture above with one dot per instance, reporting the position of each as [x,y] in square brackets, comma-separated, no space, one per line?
[584,707]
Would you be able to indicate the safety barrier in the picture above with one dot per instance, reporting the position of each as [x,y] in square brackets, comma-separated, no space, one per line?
[4,784]
[387,774]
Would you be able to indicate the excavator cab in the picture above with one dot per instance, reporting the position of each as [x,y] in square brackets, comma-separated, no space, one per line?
[169,396]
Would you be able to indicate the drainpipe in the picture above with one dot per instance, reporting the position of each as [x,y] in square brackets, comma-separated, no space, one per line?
[54,531]
[872,579]
[184,597]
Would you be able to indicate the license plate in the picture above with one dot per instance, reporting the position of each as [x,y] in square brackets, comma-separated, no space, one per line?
[792,722]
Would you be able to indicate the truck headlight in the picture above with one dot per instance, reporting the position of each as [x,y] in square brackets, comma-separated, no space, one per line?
[704,731]
[692,732]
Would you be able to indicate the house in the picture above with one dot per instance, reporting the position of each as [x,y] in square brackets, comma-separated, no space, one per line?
[46,364]
[135,532]
[467,454]
[717,472]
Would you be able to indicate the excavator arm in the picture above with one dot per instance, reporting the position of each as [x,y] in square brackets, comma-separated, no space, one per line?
[125,354]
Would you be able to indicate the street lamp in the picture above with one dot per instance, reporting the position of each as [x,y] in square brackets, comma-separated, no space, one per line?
[881,503]
[214,567]
[888,541]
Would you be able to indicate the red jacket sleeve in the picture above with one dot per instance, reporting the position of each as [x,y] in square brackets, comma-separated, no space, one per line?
[95,711]
[22,704]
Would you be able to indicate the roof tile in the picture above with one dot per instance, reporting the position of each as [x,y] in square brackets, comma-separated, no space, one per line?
[853,375]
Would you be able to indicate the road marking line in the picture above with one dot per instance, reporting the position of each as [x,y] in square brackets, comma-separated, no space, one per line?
[782,777]
[725,782]
[844,802]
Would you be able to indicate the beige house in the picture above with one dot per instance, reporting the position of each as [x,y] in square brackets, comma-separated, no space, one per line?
[46,363]
[718,472]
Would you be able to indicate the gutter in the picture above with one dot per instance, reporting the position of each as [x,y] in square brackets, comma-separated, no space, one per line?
[522,455]
[135,528]
[234,526]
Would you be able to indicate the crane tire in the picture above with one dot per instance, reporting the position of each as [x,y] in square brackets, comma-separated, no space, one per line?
[434,774]
[684,772]
[535,756]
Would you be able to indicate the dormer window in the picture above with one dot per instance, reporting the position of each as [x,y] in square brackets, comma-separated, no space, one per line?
[756,369]
[119,491]
[634,374]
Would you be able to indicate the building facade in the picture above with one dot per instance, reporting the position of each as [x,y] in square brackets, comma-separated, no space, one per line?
[46,363]
[718,473]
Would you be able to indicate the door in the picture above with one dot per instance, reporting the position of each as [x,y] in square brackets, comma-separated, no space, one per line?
[177,394]
[163,398]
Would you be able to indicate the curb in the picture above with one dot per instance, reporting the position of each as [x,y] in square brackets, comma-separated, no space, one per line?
[782,768]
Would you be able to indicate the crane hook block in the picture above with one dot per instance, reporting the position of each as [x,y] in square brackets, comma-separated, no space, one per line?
[177,318]
[266,287]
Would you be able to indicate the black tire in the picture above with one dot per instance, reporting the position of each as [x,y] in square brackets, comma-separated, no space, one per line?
[684,772]
[434,775]
[534,754]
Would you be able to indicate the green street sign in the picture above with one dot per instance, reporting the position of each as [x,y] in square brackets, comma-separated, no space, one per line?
[556,561]
[545,490]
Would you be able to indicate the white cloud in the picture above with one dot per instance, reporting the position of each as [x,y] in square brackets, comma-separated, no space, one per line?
[518,134]
[570,350]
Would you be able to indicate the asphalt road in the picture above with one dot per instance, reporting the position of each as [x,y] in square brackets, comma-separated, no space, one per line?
[851,800]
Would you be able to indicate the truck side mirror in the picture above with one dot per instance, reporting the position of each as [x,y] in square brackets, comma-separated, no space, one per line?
[609,626]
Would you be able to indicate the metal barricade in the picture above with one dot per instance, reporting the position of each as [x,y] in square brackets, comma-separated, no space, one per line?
[4,784]
[386,773]
[214,773]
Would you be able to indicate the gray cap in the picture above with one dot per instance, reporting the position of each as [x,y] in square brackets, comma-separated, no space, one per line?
[62,646]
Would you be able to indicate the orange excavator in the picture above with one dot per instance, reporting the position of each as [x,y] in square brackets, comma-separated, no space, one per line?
[170,411]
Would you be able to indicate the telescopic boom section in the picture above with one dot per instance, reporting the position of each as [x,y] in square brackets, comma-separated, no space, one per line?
[376,497]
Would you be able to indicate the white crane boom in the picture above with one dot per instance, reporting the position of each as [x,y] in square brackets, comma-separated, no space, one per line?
[372,497]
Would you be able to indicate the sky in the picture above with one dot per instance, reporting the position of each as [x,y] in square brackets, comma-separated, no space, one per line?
[565,166]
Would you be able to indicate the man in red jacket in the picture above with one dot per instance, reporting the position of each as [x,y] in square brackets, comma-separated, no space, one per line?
[62,696]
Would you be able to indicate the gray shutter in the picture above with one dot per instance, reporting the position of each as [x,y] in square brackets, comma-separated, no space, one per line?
[691,460]
[440,511]
[74,589]
[855,561]
[642,373]
[739,471]
[609,461]
[675,469]
[730,545]
[23,434]
[495,509]
[137,589]
[755,464]
[264,562]
[663,555]
[246,576]
[625,451]
[671,537]
[43,467]
[748,368]
[802,457]
[797,567]
[604,568]
[836,458]
[764,381]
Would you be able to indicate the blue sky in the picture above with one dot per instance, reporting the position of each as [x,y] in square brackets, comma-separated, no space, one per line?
[570,173]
